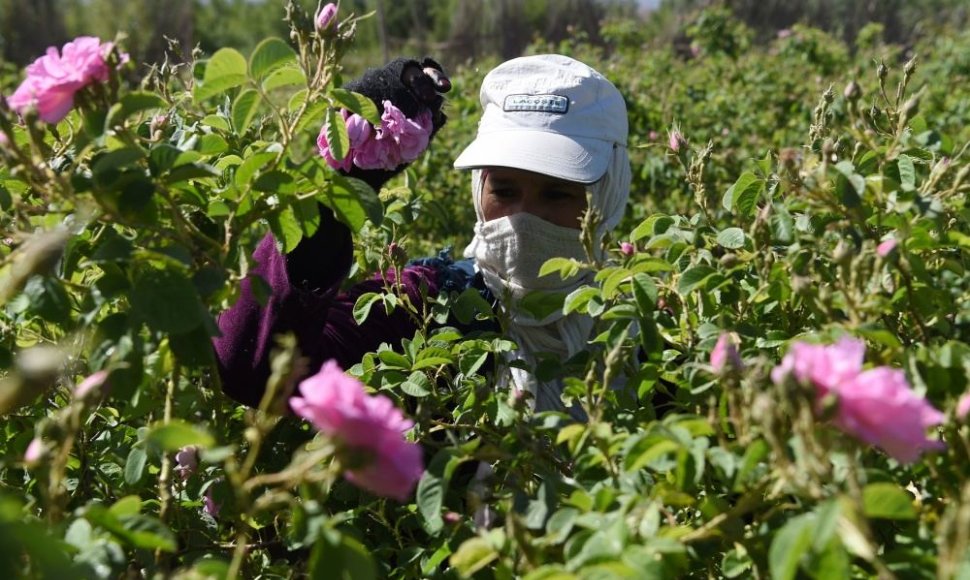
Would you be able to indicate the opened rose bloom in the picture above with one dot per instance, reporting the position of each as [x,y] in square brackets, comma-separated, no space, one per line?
[54,79]
[398,140]
[876,406]
[369,431]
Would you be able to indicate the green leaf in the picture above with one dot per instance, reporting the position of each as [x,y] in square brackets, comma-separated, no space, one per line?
[212,144]
[646,450]
[244,109]
[177,434]
[742,197]
[887,501]
[287,76]
[286,228]
[736,562]
[907,172]
[137,531]
[431,490]
[126,506]
[353,201]
[791,542]
[225,70]
[652,226]
[417,385]
[337,138]
[692,278]
[248,168]
[268,56]
[731,238]
[644,293]
[579,298]
[135,465]
[363,305]
[357,103]
[163,157]
[566,267]
[540,304]
[116,159]
[473,555]
[850,186]
[165,299]
[782,225]
[832,562]
[338,556]
[131,103]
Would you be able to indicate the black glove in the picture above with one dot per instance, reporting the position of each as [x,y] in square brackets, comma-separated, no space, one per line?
[413,87]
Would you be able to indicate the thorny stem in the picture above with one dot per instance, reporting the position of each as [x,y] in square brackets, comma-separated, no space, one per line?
[165,476]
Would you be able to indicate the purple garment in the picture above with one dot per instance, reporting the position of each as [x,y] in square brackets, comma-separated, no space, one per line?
[307,301]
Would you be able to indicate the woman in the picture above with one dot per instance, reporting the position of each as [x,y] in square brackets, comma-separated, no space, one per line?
[553,135]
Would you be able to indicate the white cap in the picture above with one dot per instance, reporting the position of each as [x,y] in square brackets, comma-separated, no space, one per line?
[549,114]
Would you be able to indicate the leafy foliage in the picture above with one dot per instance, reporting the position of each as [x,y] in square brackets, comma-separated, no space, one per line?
[130,225]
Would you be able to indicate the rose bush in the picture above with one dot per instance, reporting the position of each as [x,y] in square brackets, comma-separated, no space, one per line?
[129,223]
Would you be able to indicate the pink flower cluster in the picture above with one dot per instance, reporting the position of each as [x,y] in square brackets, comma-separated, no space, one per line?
[398,140]
[369,431]
[876,406]
[53,79]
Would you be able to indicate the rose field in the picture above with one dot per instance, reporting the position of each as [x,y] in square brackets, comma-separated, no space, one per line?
[788,293]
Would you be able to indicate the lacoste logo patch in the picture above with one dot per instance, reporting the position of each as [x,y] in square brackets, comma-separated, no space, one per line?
[539,103]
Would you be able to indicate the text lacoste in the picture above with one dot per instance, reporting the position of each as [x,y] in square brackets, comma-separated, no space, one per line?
[538,103]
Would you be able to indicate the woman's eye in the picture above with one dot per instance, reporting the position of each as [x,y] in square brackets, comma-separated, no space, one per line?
[559,195]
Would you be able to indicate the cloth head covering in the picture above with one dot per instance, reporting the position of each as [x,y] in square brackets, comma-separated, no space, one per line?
[553,115]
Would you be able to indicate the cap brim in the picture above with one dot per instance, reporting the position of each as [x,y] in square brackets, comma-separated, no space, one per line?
[579,160]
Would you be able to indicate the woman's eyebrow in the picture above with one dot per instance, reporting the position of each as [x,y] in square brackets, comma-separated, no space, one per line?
[503,181]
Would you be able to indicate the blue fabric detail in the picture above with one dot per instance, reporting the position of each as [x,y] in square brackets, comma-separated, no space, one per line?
[453,276]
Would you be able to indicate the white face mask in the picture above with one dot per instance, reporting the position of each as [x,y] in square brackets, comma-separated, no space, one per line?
[509,251]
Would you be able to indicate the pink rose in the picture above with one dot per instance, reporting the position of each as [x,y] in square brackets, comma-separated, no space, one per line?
[653,135]
[359,129]
[627,249]
[186,461]
[376,153]
[398,140]
[886,247]
[410,135]
[963,406]
[725,356]
[368,429]
[90,384]
[53,79]
[825,366]
[876,406]
[325,16]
